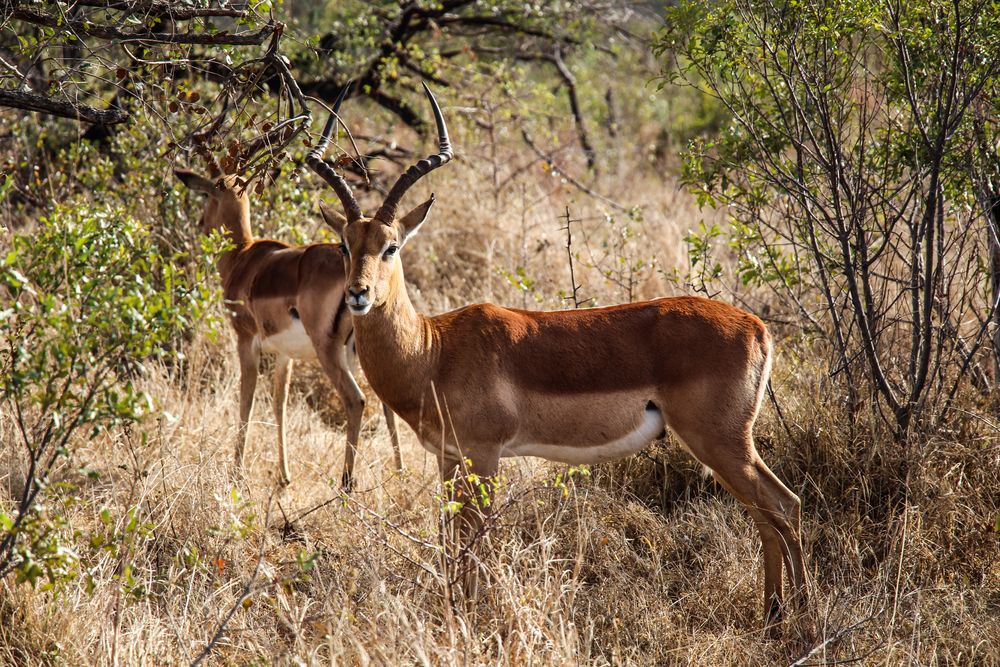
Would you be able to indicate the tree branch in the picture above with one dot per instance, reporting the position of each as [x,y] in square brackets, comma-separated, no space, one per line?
[162,9]
[574,105]
[33,102]
[83,28]
[327,90]
[504,25]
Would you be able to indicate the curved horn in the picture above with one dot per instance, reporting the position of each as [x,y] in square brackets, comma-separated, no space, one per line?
[326,171]
[387,212]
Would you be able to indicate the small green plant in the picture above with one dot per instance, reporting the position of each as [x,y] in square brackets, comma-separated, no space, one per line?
[623,260]
[522,282]
[564,478]
[704,267]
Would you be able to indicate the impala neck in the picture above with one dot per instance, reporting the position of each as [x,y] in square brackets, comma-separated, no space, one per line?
[396,346]
[237,228]
[237,222]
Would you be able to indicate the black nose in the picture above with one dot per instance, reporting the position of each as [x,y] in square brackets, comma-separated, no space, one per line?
[357,294]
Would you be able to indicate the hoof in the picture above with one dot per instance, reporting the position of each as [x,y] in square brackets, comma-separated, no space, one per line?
[772,620]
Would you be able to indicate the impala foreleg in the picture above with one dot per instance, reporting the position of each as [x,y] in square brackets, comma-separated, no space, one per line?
[249,367]
[335,363]
[282,376]
[390,423]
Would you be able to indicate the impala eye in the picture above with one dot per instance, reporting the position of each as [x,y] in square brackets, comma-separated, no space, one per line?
[390,251]
[343,249]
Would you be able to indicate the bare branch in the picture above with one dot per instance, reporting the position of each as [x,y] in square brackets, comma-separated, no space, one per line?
[33,102]
[83,28]
[572,181]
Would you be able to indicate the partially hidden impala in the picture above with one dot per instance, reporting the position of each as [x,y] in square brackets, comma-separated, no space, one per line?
[483,382]
[287,301]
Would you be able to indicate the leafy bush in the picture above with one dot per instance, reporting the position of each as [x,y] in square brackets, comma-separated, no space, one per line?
[87,299]
[850,170]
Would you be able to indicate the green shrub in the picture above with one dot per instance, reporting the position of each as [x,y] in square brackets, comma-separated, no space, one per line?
[87,300]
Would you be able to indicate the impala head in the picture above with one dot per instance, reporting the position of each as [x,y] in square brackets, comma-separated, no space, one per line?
[227,200]
[371,245]
[228,204]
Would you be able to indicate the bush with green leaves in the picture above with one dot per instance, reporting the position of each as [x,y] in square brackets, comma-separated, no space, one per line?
[87,300]
[854,175]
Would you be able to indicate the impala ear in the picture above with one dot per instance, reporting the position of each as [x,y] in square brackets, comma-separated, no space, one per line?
[269,176]
[195,181]
[411,222]
[334,218]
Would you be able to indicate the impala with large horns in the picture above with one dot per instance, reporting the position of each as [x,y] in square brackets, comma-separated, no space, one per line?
[484,382]
[287,301]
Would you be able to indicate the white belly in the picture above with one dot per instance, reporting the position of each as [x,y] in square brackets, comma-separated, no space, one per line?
[650,428]
[293,342]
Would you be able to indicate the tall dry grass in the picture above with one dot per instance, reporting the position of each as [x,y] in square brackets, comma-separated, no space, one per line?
[642,562]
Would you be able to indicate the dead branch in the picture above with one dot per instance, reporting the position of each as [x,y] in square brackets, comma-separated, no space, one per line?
[86,28]
[33,102]
[569,179]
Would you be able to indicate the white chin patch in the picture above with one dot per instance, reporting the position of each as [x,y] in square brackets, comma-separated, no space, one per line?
[360,310]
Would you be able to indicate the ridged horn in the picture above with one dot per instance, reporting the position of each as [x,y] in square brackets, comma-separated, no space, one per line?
[387,212]
[326,171]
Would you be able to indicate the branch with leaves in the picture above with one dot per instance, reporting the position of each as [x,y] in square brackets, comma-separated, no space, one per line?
[59,54]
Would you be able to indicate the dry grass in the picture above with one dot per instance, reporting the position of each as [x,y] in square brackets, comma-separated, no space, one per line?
[643,562]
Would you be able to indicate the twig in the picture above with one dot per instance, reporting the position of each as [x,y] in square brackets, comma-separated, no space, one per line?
[13,69]
[569,256]
[777,409]
[569,179]
[840,634]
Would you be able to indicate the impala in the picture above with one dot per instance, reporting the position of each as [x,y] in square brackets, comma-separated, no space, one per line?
[287,301]
[580,386]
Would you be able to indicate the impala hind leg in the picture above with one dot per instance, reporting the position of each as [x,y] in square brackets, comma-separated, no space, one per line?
[390,423]
[249,367]
[735,463]
[789,528]
[282,376]
[773,550]
[776,510]
[334,362]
